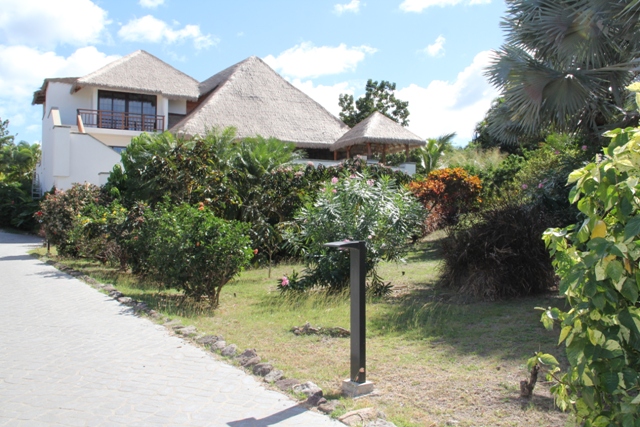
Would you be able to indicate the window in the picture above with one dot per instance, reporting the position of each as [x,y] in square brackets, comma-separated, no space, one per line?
[131,111]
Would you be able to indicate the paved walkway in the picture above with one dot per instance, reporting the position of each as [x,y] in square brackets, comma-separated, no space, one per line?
[71,356]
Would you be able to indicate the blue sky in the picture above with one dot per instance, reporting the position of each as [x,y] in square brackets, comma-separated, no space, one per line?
[434,50]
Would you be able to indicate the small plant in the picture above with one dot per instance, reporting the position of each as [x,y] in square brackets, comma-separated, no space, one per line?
[352,207]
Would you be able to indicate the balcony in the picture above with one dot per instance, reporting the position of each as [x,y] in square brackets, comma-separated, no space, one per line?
[105,119]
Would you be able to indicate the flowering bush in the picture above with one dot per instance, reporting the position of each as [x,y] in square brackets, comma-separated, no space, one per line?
[351,206]
[446,193]
[192,250]
[60,212]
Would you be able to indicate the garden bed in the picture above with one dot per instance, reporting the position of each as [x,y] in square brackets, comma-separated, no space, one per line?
[434,359]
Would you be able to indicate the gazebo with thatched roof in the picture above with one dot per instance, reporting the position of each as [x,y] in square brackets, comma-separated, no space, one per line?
[376,133]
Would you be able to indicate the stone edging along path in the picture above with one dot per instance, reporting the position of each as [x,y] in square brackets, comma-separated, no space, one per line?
[249,359]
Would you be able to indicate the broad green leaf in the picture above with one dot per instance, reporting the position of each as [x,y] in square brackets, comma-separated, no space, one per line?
[584,233]
[576,175]
[632,229]
[588,394]
[615,270]
[610,381]
[563,334]
[630,290]
[595,337]
[599,301]
[547,359]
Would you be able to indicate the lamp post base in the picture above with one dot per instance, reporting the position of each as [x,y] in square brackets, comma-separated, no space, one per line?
[353,389]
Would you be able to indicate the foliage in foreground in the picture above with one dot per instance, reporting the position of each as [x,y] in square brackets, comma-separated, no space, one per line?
[352,207]
[598,262]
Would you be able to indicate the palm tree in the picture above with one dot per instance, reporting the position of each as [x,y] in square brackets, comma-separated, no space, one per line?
[429,155]
[565,66]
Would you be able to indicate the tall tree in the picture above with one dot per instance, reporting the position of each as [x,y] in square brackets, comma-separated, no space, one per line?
[378,97]
[17,161]
[565,66]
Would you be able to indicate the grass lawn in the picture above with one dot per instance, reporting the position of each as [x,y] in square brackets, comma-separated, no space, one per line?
[435,360]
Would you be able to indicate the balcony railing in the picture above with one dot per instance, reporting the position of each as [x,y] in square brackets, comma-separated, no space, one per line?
[123,121]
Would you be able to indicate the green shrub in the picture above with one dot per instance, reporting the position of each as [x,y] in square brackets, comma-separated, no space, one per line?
[598,262]
[101,233]
[17,208]
[498,253]
[59,214]
[352,207]
[192,250]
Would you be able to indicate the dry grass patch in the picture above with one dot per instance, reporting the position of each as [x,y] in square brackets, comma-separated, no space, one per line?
[436,360]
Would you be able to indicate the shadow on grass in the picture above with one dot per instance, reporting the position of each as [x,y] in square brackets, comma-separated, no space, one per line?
[510,329]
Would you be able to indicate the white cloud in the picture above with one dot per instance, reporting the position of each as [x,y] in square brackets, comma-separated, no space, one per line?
[23,70]
[443,107]
[327,96]
[150,29]
[49,23]
[353,6]
[436,48]
[420,5]
[151,3]
[307,61]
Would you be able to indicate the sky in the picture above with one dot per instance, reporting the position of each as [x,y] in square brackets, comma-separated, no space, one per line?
[436,51]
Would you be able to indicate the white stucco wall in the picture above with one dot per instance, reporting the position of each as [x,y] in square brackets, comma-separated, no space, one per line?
[69,157]
[89,161]
[59,95]
[178,106]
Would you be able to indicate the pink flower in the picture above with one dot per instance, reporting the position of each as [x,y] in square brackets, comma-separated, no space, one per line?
[370,182]
[334,180]
[285,281]
[334,191]
[584,148]
[353,176]
[540,185]
[525,186]
[309,163]
[370,236]
[556,152]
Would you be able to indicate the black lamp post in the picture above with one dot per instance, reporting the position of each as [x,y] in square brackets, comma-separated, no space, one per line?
[357,384]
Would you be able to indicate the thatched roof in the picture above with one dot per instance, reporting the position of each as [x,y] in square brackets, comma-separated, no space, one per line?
[141,72]
[378,129]
[257,101]
[39,96]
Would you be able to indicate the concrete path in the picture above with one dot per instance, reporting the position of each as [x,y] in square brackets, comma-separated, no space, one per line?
[71,356]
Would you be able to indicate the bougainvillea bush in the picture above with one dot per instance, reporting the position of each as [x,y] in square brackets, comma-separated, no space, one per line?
[351,207]
[446,194]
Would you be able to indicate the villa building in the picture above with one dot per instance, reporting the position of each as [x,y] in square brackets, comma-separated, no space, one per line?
[87,121]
